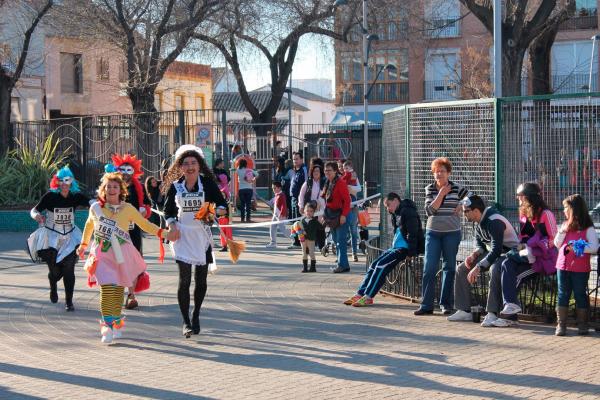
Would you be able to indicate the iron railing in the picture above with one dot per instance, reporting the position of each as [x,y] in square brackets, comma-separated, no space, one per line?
[443,28]
[573,83]
[386,92]
[584,18]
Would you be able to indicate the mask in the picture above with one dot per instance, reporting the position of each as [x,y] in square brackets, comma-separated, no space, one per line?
[126,169]
[66,180]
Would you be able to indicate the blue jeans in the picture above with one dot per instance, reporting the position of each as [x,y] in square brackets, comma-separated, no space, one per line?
[352,221]
[378,270]
[340,235]
[445,245]
[576,282]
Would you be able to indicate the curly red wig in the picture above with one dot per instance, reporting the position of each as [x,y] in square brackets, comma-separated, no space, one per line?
[119,160]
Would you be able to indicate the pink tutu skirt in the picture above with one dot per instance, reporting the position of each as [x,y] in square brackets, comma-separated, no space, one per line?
[108,272]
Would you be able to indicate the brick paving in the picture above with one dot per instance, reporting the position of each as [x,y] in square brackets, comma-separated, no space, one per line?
[270,332]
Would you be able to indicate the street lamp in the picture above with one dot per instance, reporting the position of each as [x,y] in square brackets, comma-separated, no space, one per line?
[366,42]
[593,39]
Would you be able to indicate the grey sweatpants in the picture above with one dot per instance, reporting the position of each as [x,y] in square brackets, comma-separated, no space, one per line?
[462,288]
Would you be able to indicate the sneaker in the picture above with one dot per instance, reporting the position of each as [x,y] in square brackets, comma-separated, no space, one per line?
[117,334]
[339,270]
[510,309]
[421,311]
[271,246]
[352,299]
[69,307]
[504,323]
[446,311]
[489,320]
[363,302]
[107,335]
[460,315]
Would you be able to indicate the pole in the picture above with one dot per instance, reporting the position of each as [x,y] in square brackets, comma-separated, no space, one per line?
[366,100]
[591,64]
[290,116]
[498,48]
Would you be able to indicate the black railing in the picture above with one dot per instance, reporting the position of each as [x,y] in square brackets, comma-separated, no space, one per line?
[441,90]
[385,92]
[584,18]
[443,28]
[574,83]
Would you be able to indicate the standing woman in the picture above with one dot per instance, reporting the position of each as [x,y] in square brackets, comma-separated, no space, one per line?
[56,241]
[246,177]
[337,208]
[190,183]
[442,235]
[114,263]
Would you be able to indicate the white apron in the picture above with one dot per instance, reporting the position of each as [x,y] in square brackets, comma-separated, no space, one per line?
[59,232]
[196,236]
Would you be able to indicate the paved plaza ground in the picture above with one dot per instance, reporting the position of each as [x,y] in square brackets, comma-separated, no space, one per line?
[270,332]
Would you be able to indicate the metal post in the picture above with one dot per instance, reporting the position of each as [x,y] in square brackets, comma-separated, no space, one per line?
[498,48]
[225,148]
[180,137]
[592,62]
[366,100]
[289,117]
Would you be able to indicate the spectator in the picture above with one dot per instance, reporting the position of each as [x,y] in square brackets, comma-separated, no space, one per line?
[286,182]
[236,151]
[442,235]
[408,242]
[300,175]
[279,213]
[354,188]
[316,182]
[573,267]
[494,237]
[337,208]
[316,161]
[223,178]
[310,226]
[537,252]
[246,177]
[157,200]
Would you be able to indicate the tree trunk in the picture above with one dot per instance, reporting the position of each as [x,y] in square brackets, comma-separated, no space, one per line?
[512,64]
[539,57]
[6,139]
[146,122]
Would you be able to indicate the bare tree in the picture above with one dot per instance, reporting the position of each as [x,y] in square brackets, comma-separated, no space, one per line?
[274,29]
[522,23]
[13,64]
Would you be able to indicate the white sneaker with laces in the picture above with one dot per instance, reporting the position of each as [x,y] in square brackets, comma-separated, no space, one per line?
[107,335]
[510,309]
[489,320]
[460,315]
[504,323]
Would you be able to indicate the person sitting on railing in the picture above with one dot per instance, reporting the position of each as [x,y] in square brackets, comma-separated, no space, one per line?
[408,242]
[536,253]
[494,237]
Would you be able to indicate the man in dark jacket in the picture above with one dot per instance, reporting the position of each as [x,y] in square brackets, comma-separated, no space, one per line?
[494,236]
[300,174]
[408,242]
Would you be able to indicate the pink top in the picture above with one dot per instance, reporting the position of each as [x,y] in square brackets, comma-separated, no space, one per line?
[568,261]
[547,218]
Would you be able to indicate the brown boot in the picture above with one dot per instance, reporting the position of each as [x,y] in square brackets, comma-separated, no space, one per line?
[582,321]
[561,321]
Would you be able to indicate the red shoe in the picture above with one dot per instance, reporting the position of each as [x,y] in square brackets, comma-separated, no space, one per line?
[352,299]
[363,302]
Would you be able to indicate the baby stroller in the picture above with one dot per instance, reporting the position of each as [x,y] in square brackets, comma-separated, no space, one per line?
[363,234]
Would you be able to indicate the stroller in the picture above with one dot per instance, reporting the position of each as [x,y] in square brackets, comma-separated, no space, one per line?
[363,234]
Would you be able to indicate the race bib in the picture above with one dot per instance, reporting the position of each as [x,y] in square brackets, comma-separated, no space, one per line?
[63,216]
[105,228]
[191,202]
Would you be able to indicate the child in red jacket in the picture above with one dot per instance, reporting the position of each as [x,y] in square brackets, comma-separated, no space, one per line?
[279,213]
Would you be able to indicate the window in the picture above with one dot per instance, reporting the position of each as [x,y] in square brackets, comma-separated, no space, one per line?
[71,73]
[571,67]
[442,18]
[15,109]
[179,102]
[323,117]
[102,73]
[123,75]
[199,105]
[442,75]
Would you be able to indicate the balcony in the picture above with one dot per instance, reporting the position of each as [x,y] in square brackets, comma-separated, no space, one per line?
[584,18]
[382,93]
[438,28]
[573,83]
[441,90]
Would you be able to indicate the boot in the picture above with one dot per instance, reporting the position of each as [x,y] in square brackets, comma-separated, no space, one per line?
[582,321]
[53,291]
[561,321]
[313,266]
[304,265]
[196,322]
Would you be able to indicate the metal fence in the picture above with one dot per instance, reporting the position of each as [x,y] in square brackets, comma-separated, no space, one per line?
[494,145]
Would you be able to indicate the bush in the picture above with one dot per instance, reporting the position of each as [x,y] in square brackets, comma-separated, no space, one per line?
[26,172]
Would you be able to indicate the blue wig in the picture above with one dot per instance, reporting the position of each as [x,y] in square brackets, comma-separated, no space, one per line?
[65,172]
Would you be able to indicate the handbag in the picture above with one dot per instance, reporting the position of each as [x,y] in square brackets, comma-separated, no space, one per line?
[331,218]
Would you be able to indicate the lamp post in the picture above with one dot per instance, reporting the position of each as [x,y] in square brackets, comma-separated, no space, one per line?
[593,39]
[497,48]
[366,46]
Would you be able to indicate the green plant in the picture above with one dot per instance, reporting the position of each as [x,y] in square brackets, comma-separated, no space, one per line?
[26,172]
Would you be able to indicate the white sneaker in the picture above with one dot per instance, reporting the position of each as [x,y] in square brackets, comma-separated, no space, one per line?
[510,309]
[107,335]
[271,246]
[489,320]
[504,323]
[460,315]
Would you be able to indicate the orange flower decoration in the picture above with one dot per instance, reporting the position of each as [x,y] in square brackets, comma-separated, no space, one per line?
[206,213]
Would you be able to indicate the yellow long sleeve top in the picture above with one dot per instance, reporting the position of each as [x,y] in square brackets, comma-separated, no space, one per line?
[125,214]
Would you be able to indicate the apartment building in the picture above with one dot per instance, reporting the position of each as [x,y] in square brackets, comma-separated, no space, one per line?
[442,52]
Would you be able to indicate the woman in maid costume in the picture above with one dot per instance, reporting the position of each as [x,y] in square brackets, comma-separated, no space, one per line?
[190,183]
[114,263]
[57,239]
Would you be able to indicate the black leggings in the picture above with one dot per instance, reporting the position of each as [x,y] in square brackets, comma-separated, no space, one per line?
[183,291]
[64,270]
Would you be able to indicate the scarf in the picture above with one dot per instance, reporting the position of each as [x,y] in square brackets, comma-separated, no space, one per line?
[329,185]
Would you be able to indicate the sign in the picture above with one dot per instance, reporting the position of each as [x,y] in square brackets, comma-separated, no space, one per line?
[203,134]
